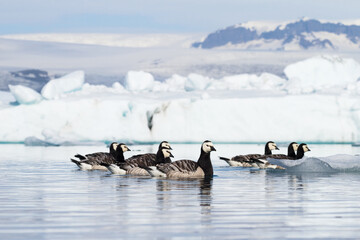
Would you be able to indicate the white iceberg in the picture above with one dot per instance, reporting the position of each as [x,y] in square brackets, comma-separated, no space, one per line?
[25,95]
[197,82]
[139,81]
[176,82]
[321,73]
[239,108]
[68,83]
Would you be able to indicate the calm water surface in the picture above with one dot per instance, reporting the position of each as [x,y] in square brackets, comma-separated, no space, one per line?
[44,196]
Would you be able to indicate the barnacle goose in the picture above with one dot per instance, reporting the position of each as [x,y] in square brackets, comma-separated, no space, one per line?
[187,168]
[151,156]
[136,166]
[246,160]
[93,161]
[263,162]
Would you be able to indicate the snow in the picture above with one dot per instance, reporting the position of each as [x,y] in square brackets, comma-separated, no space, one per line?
[24,95]
[319,102]
[68,83]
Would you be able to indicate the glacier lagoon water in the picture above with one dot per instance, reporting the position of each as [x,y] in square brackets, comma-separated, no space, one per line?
[44,196]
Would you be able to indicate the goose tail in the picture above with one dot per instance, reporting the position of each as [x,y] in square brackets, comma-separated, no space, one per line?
[224,158]
[81,165]
[79,156]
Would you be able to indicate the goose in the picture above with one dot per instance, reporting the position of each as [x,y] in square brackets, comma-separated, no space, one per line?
[301,149]
[93,161]
[136,166]
[292,148]
[187,168]
[246,160]
[151,156]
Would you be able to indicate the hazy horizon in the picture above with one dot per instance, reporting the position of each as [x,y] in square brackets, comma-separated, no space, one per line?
[140,16]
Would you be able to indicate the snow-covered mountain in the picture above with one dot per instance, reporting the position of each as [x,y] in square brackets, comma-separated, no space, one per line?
[299,35]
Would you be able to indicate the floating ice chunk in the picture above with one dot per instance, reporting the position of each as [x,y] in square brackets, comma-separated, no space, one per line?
[306,164]
[238,82]
[270,81]
[68,83]
[322,72]
[24,95]
[339,162]
[196,82]
[139,81]
[176,83]
[118,87]
[265,81]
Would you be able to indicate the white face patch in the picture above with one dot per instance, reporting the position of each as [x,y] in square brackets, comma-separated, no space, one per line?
[207,146]
[165,145]
[305,148]
[114,146]
[166,153]
[295,146]
[124,148]
[272,146]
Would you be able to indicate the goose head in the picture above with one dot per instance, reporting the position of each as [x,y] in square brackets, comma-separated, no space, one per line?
[207,147]
[165,144]
[294,146]
[113,146]
[123,147]
[271,146]
[166,152]
[304,147]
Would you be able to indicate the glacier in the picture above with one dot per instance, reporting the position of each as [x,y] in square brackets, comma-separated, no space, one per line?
[321,106]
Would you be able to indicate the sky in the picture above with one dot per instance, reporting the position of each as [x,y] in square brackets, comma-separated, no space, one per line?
[159,16]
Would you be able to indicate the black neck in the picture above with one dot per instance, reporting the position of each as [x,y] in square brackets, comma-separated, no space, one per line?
[205,164]
[291,152]
[159,157]
[112,151]
[119,155]
[300,152]
[267,150]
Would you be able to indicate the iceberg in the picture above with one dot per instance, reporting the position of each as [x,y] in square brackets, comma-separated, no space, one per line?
[333,163]
[24,95]
[238,108]
[321,73]
[139,81]
[197,82]
[68,83]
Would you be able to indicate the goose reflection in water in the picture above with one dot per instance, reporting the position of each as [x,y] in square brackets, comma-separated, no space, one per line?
[168,191]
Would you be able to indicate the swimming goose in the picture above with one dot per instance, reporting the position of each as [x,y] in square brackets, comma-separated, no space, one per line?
[301,149]
[93,161]
[151,156]
[246,160]
[187,168]
[292,148]
[136,166]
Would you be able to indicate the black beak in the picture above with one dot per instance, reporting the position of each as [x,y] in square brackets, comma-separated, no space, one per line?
[309,149]
[212,148]
[171,155]
[170,148]
[277,148]
[128,149]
